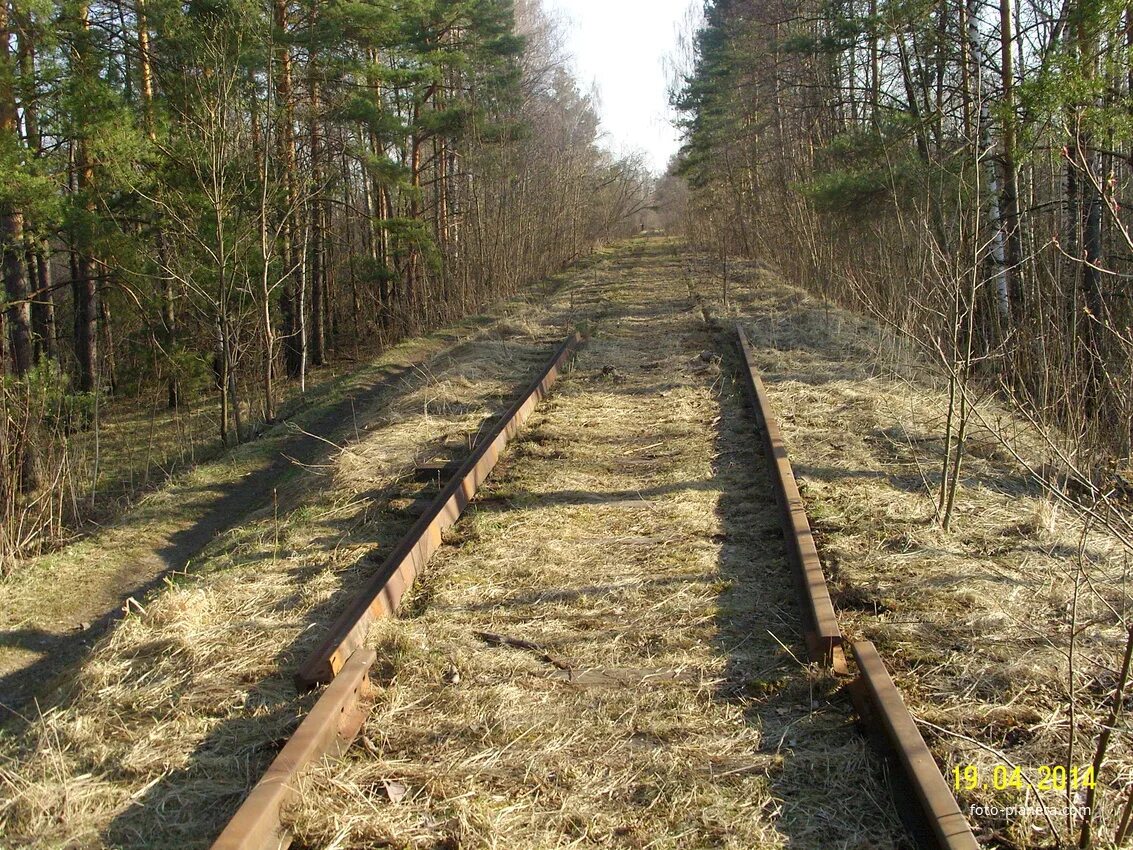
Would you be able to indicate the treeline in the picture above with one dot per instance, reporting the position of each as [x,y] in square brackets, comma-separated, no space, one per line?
[215,196]
[961,168]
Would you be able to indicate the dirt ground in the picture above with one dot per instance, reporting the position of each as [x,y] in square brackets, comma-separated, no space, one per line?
[630,533]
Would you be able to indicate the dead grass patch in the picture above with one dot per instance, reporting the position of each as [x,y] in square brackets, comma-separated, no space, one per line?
[156,739]
[976,622]
[632,532]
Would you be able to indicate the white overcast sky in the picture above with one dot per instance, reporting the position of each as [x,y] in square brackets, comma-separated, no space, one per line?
[620,46]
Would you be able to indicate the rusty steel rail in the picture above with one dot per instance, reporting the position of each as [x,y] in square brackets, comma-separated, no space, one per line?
[925,802]
[823,635]
[383,591]
[328,730]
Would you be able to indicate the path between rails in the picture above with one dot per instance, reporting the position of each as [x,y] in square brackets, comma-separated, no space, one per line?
[630,531]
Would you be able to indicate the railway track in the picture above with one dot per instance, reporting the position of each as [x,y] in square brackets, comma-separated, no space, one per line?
[921,796]
[341,661]
[925,803]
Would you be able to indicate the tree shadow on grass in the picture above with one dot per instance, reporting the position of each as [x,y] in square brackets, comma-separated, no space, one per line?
[830,787]
[214,509]
[224,507]
[189,805]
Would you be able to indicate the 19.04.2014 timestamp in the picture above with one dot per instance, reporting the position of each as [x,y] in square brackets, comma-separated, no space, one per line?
[971,777]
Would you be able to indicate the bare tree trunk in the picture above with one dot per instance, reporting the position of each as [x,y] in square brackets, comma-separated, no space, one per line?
[874,70]
[1010,197]
[220,361]
[108,334]
[37,254]
[168,297]
[411,279]
[997,253]
[355,306]
[43,305]
[18,314]
[228,352]
[301,309]
[83,286]
[16,290]
[12,222]
[1089,167]
[966,71]
[911,96]
[294,343]
[85,294]
[318,258]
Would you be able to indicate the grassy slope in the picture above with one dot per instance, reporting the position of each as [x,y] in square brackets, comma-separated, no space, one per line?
[158,734]
[54,607]
[974,622]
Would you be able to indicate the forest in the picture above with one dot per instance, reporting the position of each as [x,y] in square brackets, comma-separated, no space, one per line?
[840,435]
[208,206]
[958,169]
[204,203]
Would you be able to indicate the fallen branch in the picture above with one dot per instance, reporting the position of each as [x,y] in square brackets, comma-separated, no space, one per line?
[518,643]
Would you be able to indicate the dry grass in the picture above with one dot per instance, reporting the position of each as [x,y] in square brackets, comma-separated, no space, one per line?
[631,538]
[975,622]
[42,630]
[159,734]
[630,535]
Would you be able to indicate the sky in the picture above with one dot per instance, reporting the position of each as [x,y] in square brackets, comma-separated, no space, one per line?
[620,46]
